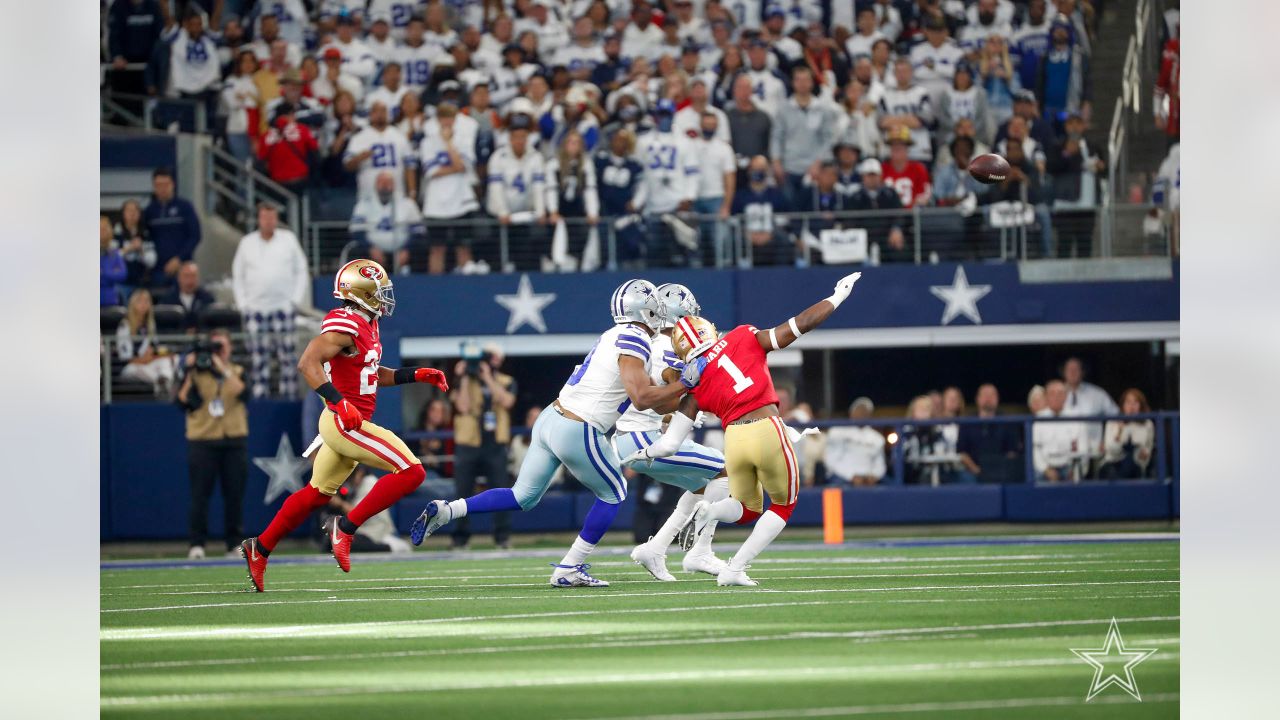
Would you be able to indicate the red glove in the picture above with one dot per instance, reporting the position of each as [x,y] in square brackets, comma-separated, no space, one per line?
[431,375]
[349,417]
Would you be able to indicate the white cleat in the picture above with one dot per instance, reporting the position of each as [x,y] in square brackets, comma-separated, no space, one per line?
[701,519]
[574,576]
[735,577]
[653,561]
[195,552]
[704,562]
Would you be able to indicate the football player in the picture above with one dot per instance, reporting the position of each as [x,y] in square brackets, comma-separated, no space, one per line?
[342,365]
[693,467]
[735,385]
[570,432]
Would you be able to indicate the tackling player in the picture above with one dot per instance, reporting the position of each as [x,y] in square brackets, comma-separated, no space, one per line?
[342,365]
[736,385]
[693,467]
[570,432]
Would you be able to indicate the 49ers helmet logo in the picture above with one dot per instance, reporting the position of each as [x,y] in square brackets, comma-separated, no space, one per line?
[371,272]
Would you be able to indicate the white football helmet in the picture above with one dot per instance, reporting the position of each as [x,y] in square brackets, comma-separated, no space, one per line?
[637,301]
[676,301]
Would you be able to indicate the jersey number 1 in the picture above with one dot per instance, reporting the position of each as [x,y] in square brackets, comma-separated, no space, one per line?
[740,382]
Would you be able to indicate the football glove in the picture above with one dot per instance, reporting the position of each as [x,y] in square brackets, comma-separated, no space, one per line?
[349,417]
[639,456]
[432,376]
[843,288]
[692,373]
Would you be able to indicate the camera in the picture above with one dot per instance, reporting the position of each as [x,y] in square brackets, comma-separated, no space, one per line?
[472,356]
[204,350]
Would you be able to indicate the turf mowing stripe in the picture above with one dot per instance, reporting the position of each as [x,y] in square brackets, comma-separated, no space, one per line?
[931,707]
[599,594]
[694,640]
[686,675]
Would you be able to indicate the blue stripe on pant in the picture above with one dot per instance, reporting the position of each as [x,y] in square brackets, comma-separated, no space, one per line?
[557,440]
[691,468]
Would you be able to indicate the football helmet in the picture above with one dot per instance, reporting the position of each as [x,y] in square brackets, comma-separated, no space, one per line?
[367,284]
[676,302]
[693,335]
[637,301]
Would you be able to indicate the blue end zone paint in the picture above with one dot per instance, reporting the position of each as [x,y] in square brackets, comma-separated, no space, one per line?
[981,541]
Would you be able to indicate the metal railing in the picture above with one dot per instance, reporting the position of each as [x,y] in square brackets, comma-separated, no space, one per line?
[235,188]
[160,113]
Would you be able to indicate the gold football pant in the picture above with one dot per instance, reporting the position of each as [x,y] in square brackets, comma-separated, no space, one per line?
[342,450]
[758,456]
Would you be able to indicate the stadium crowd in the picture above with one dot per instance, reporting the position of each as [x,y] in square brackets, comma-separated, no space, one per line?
[430,124]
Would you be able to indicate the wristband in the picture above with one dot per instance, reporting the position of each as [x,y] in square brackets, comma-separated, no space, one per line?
[773,337]
[795,329]
[329,393]
[403,376]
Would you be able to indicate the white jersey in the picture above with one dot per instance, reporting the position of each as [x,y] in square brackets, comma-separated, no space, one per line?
[387,226]
[663,357]
[594,392]
[193,64]
[671,170]
[357,58]
[291,16]
[399,11]
[416,64]
[383,52]
[576,57]
[515,184]
[446,196]
[768,89]
[746,13]
[391,152]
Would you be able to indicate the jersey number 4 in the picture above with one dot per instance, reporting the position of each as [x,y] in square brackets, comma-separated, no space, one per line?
[740,382]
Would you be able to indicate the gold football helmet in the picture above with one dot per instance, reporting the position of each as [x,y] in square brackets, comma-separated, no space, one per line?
[366,284]
[693,336]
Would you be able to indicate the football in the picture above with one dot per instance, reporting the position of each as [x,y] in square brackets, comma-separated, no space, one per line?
[989,168]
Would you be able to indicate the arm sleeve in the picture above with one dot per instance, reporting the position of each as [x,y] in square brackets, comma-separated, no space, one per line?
[677,431]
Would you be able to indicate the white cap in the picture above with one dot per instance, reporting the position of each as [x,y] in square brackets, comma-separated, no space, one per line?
[870,166]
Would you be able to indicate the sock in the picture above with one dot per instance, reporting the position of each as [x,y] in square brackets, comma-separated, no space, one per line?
[495,500]
[763,534]
[597,522]
[295,511]
[346,526]
[386,492]
[460,508]
[578,552]
[717,490]
[661,540]
[726,510]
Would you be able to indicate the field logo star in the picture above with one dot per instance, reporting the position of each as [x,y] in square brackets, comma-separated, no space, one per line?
[284,471]
[1114,652]
[525,306]
[961,298]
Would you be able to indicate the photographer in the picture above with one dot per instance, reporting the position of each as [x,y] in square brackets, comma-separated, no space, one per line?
[482,403]
[212,394]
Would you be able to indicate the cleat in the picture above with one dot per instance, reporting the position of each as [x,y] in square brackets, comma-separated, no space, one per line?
[339,544]
[701,519]
[256,561]
[653,561]
[574,576]
[704,562]
[436,515]
[195,552]
[735,577]
[686,537]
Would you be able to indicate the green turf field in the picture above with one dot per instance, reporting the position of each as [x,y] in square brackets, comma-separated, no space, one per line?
[956,631]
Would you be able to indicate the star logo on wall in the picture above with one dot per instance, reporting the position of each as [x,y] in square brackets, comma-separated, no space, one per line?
[1113,653]
[284,471]
[525,306]
[961,298]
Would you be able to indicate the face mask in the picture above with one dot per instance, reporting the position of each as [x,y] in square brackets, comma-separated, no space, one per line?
[664,123]
[986,18]
[708,134]
[758,176]
[384,197]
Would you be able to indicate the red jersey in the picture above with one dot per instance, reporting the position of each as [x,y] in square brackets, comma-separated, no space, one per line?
[911,182]
[354,371]
[736,379]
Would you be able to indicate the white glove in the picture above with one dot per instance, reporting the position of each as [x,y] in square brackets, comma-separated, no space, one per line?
[795,435]
[698,419]
[843,288]
[637,457]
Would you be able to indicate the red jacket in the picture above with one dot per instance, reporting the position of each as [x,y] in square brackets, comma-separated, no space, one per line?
[287,151]
[1168,84]
[911,183]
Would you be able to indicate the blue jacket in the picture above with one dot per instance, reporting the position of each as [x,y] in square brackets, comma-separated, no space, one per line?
[133,29]
[174,228]
[113,272]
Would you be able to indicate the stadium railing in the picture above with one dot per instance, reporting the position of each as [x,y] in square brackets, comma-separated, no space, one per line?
[1003,232]
[235,188]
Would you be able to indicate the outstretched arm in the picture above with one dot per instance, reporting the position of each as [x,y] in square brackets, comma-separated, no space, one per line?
[790,331]
[677,431]
[403,376]
[643,393]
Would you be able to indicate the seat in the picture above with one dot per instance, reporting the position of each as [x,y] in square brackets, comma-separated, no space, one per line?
[219,315]
[109,318]
[169,318]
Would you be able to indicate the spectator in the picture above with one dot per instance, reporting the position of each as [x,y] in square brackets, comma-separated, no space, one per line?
[920,443]
[802,136]
[1166,195]
[1127,445]
[269,76]
[341,125]
[1084,399]
[761,206]
[966,129]
[384,48]
[888,19]
[437,416]
[268,34]
[190,296]
[750,127]
[868,32]
[953,407]
[825,61]
[848,180]
[990,450]
[379,147]
[437,32]
[1065,83]
[1077,16]
[934,61]
[112,268]
[855,454]
[357,58]
[146,360]
[482,403]
[860,122]
[880,68]
[333,80]
[609,74]
[449,203]
[909,177]
[133,29]
[954,187]
[985,21]
[1168,94]
[270,279]
[1075,167]
[767,85]
[641,37]
[1030,41]
[964,100]
[689,121]
[621,186]
[822,201]
[885,232]
[416,57]
[289,150]
[386,223]
[909,106]
[1057,446]
[191,65]
[671,178]
[717,180]
[998,80]
[583,54]
[573,205]
[1025,181]
[135,244]
[240,105]
[212,394]
[173,225]
[1036,400]
[412,119]
[727,70]
[516,195]
[390,92]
